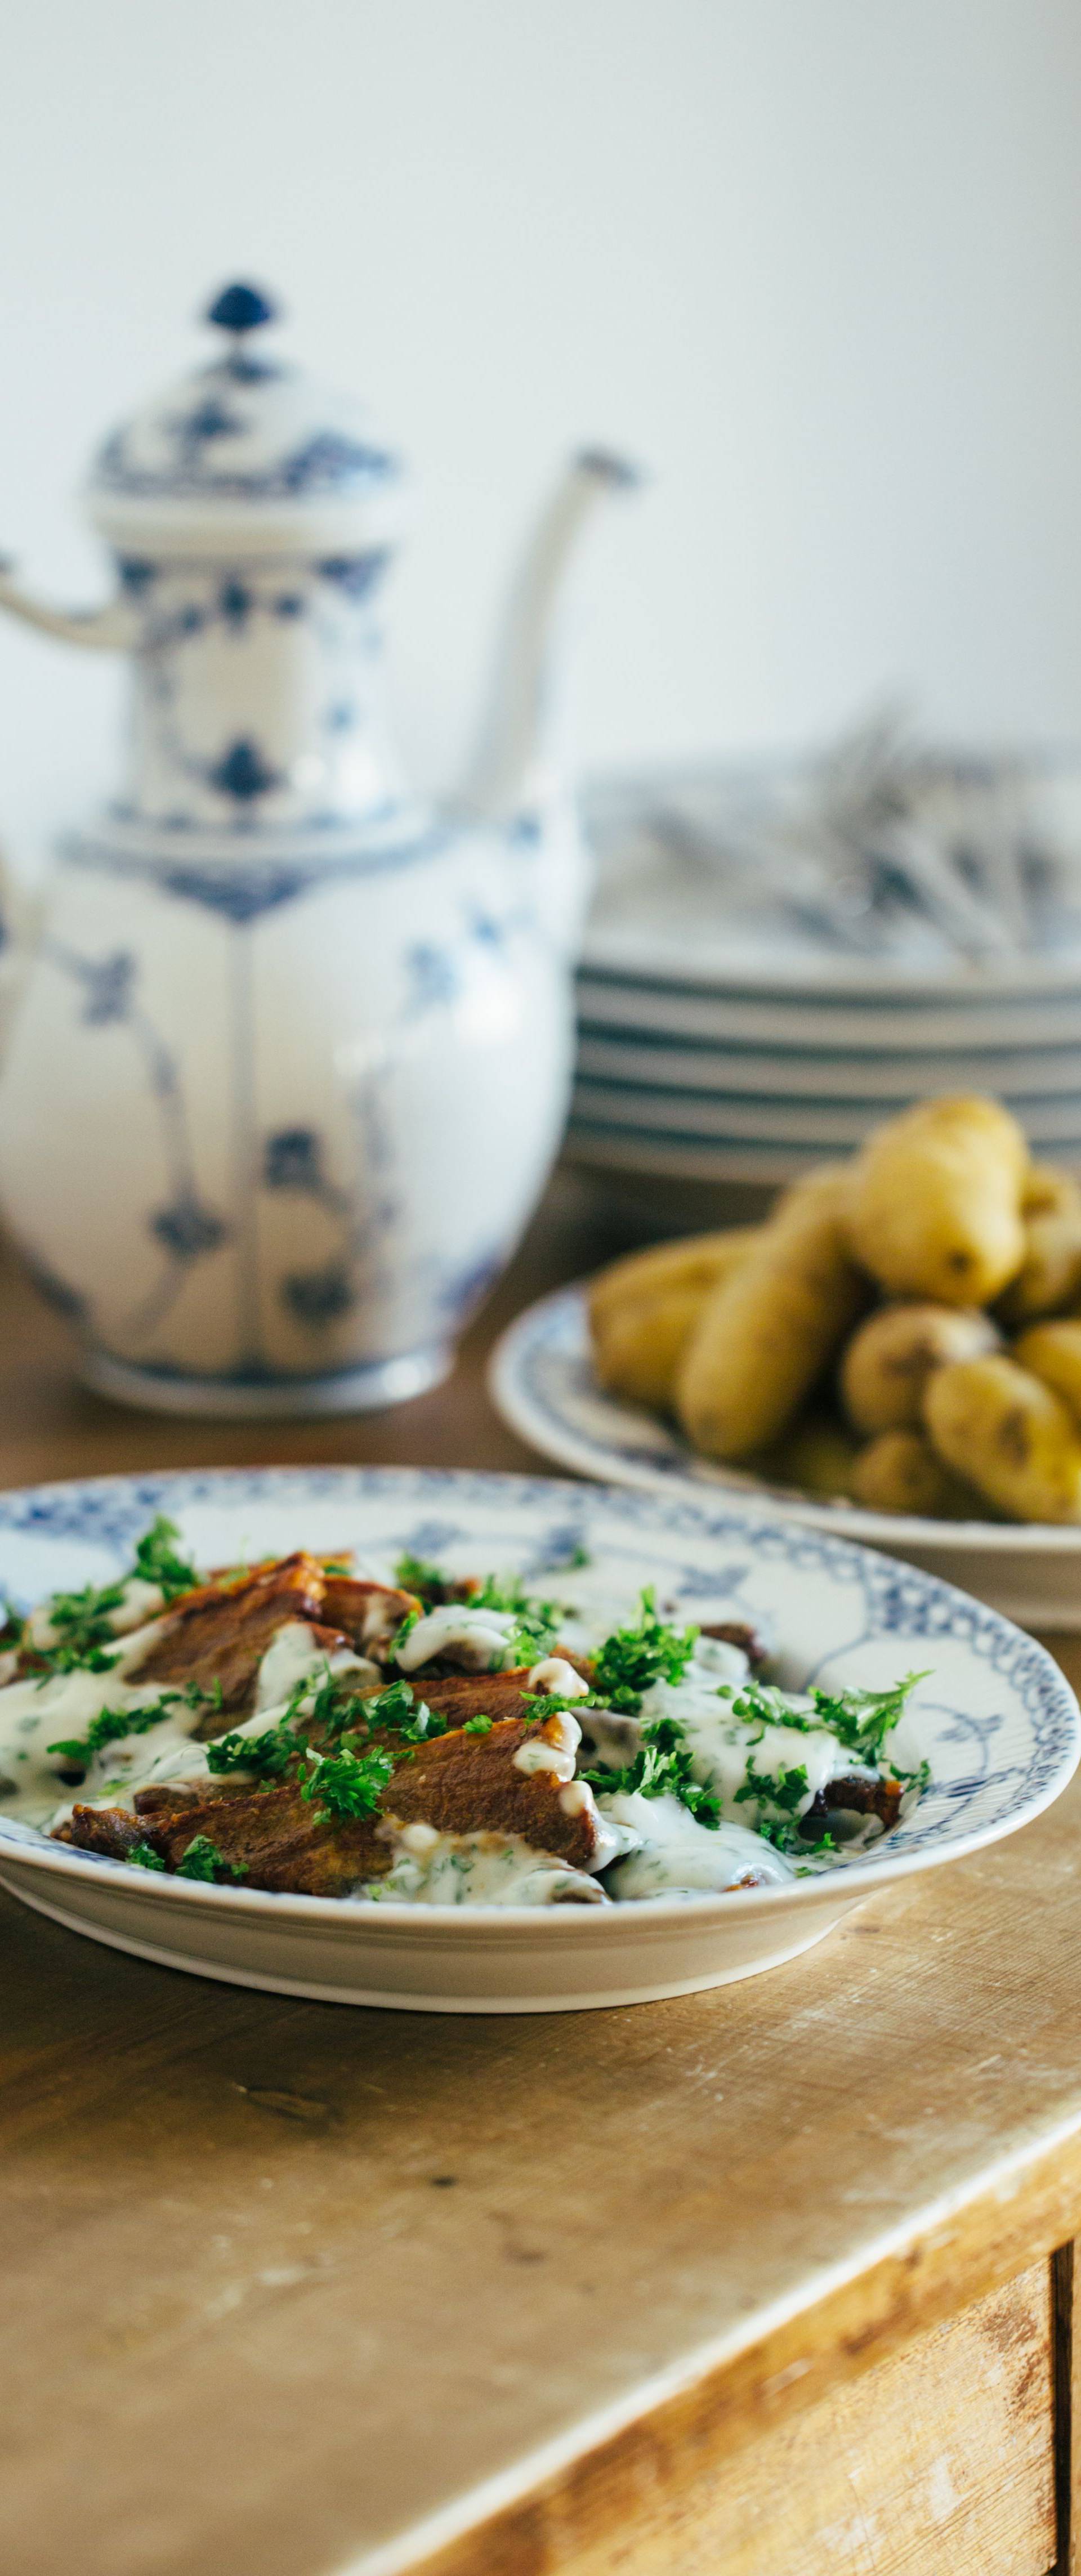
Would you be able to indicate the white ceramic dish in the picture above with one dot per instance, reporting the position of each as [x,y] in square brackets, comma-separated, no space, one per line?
[1051,1126]
[995,1718]
[667,1157]
[723,1011]
[542,1381]
[1025,1079]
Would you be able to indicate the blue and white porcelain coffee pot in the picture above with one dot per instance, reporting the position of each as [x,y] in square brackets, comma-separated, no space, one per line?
[291,1055]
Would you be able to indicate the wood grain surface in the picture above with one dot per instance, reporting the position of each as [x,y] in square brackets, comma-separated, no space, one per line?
[291,2289]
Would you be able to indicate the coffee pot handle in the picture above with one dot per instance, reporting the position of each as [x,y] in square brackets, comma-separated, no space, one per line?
[112,628]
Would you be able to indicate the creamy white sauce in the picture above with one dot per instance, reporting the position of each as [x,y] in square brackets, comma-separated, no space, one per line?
[477,1639]
[554,1748]
[294,1653]
[38,1712]
[139,1603]
[557,1679]
[677,1855]
[647,1845]
[478,1869]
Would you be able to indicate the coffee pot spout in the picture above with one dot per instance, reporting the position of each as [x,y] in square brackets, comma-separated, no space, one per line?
[518,759]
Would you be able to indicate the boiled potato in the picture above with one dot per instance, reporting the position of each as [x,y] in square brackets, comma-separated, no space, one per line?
[817,1455]
[900,1472]
[1053,1353]
[1049,1280]
[767,1332]
[997,1424]
[890,1358]
[642,1311]
[936,1202]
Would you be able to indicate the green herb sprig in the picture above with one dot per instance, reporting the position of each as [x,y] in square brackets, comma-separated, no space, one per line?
[636,1656]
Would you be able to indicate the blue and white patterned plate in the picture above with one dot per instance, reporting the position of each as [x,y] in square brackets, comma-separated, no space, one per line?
[543,1383]
[995,1719]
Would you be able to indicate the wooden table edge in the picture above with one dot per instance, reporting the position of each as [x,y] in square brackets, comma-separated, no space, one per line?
[559,2501]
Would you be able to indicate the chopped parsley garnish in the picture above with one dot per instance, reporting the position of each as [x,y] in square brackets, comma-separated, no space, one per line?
[111,1725]
[267,1756]
[633,1658]
[663,1767]
[860,1719]
[81,1630]
[395,1710]
[145,1856]
[84,1638]
[544,1704]
[203,1860]
[156,1560]
[410,1621]
[779,1797]
[346,1784]
[413,1574]
[278,1753]
[478,1726]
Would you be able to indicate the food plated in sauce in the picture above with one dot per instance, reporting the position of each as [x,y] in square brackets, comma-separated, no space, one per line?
[989,1714]
[323,1726]
[904,1333]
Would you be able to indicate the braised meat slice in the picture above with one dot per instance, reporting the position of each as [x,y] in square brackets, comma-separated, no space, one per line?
[274,1837]
[369,1614]
[458,1696]
[459,1784]
[857,1795]
[739,1632]
[472,1783]
[220,1635]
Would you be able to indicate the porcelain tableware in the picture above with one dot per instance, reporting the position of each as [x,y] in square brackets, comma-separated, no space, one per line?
[292,1052]
[543,1383]
[996,1720]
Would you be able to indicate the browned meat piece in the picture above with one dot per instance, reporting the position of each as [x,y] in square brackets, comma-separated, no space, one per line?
[221,1637]
[102,1829]
[738,1632]
[369,1613]
[457,1696]
[470,1784]
[273,1835]
[459,1783]
[859,1796]
[453,1696]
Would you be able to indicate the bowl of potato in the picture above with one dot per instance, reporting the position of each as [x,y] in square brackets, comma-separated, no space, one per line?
[894,1353]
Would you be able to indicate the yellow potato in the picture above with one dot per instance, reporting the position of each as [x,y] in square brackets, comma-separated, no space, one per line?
[643,1309]
[935,1206]
[1049,1280]
[766,1334]
[900,1472]
[997,1424]
[1053,1353]
[694,1260]
[818,1456]
[890,1358]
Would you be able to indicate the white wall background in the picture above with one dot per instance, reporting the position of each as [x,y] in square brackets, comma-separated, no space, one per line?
[818,262]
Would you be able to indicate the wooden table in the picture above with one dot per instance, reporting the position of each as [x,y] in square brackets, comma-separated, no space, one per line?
[760,2283]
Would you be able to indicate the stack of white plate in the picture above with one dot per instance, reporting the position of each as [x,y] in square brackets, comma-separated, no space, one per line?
[718,1042]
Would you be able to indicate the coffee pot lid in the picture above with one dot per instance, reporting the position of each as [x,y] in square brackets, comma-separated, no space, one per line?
[247,452]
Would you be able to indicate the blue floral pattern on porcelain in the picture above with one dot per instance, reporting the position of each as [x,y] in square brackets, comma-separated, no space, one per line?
[265,938]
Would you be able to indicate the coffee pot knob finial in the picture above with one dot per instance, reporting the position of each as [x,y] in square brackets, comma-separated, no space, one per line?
[241,308]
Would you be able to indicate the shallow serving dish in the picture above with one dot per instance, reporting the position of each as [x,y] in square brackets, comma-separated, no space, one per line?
[543,1383]
[997,1722]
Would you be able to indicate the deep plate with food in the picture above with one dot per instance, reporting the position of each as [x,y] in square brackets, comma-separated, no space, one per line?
[462,1742]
